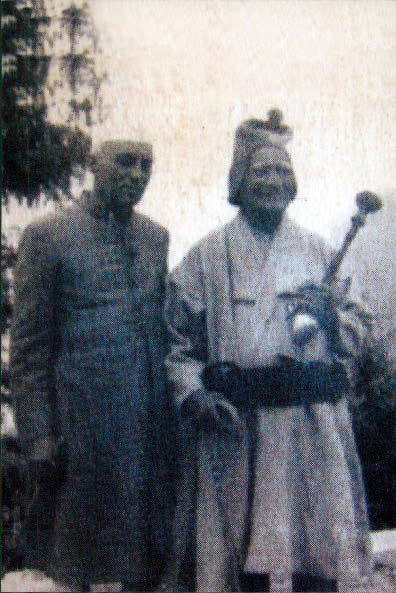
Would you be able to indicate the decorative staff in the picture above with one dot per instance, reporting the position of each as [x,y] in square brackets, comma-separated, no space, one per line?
[304,325]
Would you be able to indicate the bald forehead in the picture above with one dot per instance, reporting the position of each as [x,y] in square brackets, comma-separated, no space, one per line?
[112,148]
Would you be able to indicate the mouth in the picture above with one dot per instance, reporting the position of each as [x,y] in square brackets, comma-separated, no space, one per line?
[265,198]
[270,196]
[263,191]
[127,192]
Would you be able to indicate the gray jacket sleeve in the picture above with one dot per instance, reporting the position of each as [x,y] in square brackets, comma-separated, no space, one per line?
[185,315]
[33,337]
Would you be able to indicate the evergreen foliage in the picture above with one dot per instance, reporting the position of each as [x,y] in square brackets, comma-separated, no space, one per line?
[38,156]
[79,66]
[8,257]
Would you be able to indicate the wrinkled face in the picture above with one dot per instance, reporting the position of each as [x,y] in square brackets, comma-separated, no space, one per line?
[122,171]
[269,185]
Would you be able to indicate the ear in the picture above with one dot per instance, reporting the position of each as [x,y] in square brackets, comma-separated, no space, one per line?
[292,186]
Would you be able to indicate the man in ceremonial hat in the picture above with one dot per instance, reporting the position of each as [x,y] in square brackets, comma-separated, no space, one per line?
[266,433]
[87,354]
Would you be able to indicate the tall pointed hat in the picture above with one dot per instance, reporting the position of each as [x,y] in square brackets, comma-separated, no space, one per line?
[250,136]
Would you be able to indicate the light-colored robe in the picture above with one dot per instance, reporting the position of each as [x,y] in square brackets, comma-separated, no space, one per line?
[291,493]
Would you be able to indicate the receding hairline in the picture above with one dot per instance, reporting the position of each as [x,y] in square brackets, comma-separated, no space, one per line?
[110,147]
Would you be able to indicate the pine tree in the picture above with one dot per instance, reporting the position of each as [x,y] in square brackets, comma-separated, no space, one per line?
[76,82]
[39,156]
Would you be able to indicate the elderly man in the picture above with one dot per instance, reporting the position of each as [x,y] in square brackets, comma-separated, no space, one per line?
[88,382]
[267,435]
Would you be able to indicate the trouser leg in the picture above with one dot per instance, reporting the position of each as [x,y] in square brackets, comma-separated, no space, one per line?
[254,582]
[301,583]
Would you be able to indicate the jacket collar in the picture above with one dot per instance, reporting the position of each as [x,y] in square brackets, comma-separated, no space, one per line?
[90,202]
[95,207]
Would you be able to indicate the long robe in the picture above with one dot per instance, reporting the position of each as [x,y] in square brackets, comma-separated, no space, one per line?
[87,351]
[287,496]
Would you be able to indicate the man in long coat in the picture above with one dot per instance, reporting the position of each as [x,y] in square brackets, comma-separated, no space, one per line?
[87,354]
[271,491]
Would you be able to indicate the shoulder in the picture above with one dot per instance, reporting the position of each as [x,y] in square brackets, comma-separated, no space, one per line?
[50,224]
[146,229]
[305,238]
[40,244]
[49,234]
[209,244]
[44,229]
[195,261]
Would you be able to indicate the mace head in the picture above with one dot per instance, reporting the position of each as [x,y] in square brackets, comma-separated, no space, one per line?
[368,202]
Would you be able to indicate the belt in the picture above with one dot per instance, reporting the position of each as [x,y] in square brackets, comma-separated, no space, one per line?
[289,383]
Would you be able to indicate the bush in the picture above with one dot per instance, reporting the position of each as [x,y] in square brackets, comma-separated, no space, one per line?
[374,414]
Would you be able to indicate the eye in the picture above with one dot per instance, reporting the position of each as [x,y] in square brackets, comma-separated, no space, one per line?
[283,170]
[261,171]
[146,165]
[126,159]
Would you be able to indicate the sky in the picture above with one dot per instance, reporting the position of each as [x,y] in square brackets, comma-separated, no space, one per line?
[183,74]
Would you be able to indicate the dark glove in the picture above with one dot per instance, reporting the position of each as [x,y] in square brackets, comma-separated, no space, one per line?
[211,411]
[223,377]
[287,382]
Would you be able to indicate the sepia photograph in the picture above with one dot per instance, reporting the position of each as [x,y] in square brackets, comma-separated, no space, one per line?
[198,296]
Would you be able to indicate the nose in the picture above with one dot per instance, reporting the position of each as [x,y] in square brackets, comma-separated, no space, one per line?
[137,170]
[273,179]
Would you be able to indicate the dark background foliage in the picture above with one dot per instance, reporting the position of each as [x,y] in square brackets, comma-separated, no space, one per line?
[374,414]
[38,155]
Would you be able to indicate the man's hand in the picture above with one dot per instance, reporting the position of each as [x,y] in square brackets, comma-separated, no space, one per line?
[318,300]
[43,449]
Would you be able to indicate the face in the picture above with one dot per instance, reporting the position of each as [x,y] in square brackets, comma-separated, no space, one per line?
[269,185]
[122,171]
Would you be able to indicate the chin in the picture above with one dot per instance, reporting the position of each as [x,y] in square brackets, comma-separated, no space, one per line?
[122,210]
[135,198]
[271,211]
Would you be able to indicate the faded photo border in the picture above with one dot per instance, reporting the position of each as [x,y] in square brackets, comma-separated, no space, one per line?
[183,74]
